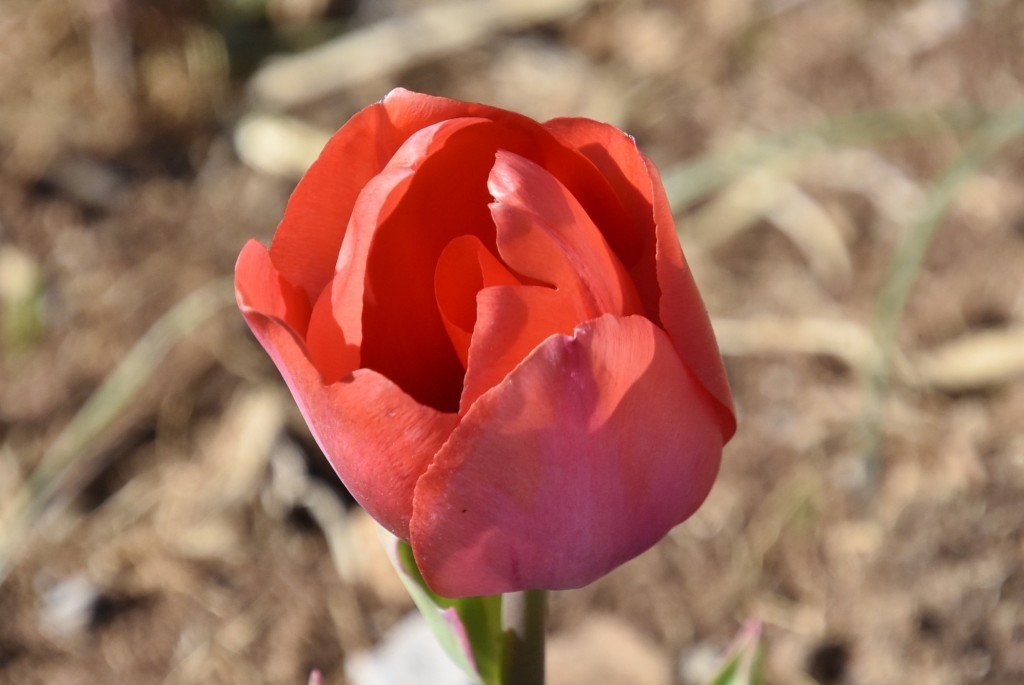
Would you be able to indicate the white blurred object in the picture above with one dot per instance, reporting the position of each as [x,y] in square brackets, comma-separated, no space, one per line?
[68,606]
[408,655]
[278,145]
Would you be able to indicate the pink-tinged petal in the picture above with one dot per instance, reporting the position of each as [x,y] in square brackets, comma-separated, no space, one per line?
[546,235]
[582,458]
[464,268]
[661,272]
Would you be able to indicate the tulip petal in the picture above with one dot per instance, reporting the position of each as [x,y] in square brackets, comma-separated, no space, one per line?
[405,218]
[464,268]
[683,314]
[403,335]
[378,439]
[258,285]
[662,271]
[333,353]
[410,111]
[585,456]
[546,236]
[306,243]
[511,322]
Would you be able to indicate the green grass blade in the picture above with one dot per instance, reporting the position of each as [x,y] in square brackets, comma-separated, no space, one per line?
[104,406]
[1000,129]
[691,181]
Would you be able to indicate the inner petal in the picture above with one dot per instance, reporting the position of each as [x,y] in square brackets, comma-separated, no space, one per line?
[403,334]
[545,234]
[511,322]
[546,237]
[464,268]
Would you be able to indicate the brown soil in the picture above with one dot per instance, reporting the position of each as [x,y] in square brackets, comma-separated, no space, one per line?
[189,542]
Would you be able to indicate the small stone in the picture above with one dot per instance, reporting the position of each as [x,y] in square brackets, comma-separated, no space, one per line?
[408,655]
[68,606]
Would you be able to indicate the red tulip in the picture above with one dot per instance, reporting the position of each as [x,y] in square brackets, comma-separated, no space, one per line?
[492,333]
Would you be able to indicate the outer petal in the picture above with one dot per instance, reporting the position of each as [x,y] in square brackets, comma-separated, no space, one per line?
[305,247]
[545,234]
[259,285]
[683,314]
[377,438]
[306,243]
[585,456]
[662,269]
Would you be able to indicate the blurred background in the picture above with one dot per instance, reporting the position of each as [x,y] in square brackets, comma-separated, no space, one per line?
[849,181]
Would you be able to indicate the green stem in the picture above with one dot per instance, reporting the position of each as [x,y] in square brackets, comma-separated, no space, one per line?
[522,621]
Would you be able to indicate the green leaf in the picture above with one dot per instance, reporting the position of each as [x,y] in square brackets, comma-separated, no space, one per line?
[743,665]
[468,629]
[693,180]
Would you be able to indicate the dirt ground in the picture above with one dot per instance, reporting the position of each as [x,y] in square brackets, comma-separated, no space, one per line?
[167,519]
